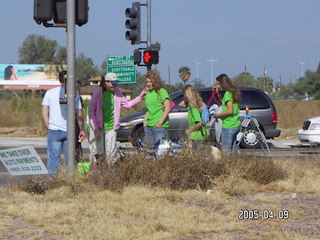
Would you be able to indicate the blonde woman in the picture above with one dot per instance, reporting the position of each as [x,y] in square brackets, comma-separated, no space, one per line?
[196,132]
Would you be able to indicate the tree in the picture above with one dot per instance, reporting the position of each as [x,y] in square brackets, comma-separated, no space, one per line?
[184,73]
[85,69]
[198,83]
[265,83]
[37,49]
[61,56]
[155,46]
[244,79]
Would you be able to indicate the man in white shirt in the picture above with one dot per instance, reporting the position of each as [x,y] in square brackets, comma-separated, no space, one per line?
[54,115]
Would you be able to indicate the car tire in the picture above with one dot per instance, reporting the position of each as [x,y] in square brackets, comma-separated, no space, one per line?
[250,139]
[138,133]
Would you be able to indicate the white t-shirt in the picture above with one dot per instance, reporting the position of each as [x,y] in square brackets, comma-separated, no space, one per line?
[58,112]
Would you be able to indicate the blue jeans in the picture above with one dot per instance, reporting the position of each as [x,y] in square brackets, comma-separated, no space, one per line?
[154,135]
[229,139]
[57,142]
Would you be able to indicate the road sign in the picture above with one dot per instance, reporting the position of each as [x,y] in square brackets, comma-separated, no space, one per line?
[124,67]
[127,74]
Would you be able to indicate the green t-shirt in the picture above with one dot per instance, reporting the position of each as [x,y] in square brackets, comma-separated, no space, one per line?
[194,116]
[154,104]
[233,120]
[107,109]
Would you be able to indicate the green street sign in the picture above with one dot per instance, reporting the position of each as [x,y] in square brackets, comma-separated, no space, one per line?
[123,66]
[127,74]
[120,60]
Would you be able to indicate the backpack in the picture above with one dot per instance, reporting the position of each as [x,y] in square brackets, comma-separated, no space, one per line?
[205,114]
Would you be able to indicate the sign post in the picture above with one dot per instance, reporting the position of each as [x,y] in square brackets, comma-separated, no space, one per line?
[124,67]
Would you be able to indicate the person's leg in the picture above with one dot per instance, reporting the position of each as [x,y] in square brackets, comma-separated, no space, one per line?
[159,134]
[64,141]
[92,145]
[229,139]
[234,139]
[226,138]
[53,151]
[111,151]
[148,137]
[100,142]
[195,144]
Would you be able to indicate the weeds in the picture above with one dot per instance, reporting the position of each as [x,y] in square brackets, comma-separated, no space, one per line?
[185,171]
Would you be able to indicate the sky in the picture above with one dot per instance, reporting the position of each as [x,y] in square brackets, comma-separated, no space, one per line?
[281,36]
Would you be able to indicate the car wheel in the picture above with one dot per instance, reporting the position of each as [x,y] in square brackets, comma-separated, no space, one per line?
[250,139]
[139,133]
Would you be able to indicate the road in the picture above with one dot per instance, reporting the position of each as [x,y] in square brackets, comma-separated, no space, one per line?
[278,148]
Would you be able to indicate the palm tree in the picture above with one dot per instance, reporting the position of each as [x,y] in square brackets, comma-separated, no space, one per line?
[184,73]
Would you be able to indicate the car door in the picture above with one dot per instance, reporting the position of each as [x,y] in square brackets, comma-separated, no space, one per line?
[178,119]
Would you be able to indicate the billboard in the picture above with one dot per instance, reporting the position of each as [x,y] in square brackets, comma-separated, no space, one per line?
[29,76]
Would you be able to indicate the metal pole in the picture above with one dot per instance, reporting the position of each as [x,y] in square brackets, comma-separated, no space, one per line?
[148,28]
[71,84]
[169,78]
[149,23]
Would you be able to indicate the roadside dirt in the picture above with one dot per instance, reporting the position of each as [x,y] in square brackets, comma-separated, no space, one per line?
[22,132]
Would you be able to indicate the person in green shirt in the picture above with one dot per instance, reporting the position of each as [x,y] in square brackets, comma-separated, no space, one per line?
[157,102]
[196,132]
[230,114]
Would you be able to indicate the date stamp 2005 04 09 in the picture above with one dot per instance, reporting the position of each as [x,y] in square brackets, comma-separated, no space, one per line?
[248,214]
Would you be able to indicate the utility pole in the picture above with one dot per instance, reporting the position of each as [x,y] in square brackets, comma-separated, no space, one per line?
[301,63]
[211,61]
[197,70]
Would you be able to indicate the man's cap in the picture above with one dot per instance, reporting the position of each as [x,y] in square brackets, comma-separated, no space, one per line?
[112,77]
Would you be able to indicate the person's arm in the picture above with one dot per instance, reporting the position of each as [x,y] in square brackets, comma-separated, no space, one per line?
[45,114]
[145,119]
[167,109]
[80,119]
[196,127]
[227,112]
[182,104]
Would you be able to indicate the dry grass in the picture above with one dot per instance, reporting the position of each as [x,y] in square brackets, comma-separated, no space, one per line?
[168,198]
[165,199]
[292,113]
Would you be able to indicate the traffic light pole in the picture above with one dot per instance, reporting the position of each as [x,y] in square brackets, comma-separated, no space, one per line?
[71,84]
[148,29]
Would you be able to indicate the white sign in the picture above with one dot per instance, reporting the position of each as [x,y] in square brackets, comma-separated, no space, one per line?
[22,161]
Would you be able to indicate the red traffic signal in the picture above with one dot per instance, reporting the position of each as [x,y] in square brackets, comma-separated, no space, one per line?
[151,57]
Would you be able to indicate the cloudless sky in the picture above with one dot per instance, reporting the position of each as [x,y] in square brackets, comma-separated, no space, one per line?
[237,33]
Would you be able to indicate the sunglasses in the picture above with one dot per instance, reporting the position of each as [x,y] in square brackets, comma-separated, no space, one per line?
[113,83]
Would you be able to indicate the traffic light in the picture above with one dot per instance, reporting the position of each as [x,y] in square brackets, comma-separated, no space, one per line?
[46,10]
[136,57]
[42,10]
[60,11]
[133,23]
[151,57]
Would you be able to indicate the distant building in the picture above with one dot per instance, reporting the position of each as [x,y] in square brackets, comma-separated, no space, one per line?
[94,83]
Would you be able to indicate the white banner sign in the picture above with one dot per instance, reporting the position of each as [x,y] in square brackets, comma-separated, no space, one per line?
[22,161]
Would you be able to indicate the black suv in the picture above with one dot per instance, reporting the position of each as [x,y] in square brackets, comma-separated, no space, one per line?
[260,105]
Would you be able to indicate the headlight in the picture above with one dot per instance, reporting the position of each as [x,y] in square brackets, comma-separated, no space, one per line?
[314,126]
[125,124]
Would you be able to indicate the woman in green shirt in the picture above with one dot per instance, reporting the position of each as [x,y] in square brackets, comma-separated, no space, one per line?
[230,113]
[196,132]
[157,101]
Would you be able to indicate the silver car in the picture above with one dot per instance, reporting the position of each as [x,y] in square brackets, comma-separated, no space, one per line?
[259,103]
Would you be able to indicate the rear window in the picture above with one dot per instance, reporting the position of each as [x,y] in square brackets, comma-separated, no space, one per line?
[210,98]
[254,100]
